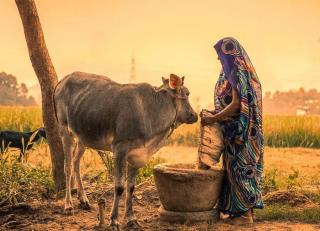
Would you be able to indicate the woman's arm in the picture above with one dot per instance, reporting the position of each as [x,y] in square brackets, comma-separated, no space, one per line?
[232,109]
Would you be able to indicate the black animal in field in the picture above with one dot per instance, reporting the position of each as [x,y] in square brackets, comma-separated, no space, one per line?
[22,140]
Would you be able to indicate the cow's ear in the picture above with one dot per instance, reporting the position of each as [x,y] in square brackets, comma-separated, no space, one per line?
[175,82]
[164,80]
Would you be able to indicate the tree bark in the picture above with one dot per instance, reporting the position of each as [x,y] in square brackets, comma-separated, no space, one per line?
[48,79]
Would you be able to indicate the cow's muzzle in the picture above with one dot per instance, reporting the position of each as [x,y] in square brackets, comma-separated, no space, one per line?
[192,118]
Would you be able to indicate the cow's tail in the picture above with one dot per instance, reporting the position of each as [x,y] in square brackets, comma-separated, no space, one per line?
[54,102]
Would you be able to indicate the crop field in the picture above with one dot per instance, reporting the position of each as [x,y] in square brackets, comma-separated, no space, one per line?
[279,131]
[20,118]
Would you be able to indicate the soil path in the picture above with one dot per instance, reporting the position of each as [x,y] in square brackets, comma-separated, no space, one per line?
[46,215]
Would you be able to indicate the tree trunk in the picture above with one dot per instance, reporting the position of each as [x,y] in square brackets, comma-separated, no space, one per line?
[48,79]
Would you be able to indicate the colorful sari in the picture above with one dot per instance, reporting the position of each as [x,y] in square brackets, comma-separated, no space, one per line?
[243,134]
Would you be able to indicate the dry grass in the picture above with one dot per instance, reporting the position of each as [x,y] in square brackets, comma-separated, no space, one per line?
[287,160]
[281,161]
[292,131]
[279,131]
[284,160]
[20,118]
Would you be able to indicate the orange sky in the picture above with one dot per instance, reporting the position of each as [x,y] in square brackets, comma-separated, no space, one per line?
[282,39]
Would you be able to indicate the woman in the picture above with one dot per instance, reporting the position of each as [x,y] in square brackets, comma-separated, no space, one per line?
[238,108]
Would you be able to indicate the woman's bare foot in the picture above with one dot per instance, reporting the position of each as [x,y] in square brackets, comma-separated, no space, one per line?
[245,219]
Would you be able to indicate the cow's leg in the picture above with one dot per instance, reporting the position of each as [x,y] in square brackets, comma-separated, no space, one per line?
[119,181]
[67,141]
[131,180]
[79,151]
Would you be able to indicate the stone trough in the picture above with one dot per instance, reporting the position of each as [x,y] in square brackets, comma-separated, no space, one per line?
[188,194]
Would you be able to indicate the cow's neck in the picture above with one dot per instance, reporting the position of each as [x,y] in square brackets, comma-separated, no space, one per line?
[164,115]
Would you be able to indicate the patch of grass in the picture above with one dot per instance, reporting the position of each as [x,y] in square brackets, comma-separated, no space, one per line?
[274,180]
[21,183]
[147,171]
[97,176]
[270,182]
[314,196]
[285,212]
[108,162]
[293,180]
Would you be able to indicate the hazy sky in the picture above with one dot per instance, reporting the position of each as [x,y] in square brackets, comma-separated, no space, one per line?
[282,39]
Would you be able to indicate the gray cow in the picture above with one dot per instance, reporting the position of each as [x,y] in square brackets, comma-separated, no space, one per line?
[131,120]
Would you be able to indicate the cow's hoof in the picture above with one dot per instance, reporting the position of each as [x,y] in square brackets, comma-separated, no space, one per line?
[85,205]
[69,211]
[114,227]
[133,225]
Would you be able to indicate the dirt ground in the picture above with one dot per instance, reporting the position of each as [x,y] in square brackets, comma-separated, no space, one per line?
[48,214]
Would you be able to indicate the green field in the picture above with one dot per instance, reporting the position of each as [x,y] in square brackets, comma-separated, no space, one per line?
[279,131]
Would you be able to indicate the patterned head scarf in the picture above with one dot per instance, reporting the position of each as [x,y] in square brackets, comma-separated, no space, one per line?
[240,73]
[233,57]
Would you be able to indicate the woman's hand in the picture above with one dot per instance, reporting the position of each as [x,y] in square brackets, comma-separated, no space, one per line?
[205,112]
[208,120]
[202,113]
[226,114]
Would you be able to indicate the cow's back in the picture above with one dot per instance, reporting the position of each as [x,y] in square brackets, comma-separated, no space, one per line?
[99,110]
[86,103]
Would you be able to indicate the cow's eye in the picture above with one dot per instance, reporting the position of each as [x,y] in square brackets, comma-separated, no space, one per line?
[188,93]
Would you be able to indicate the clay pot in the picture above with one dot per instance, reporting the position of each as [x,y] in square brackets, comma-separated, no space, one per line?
[184,188]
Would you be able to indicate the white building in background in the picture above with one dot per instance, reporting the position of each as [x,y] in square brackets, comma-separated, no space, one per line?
[301,111]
